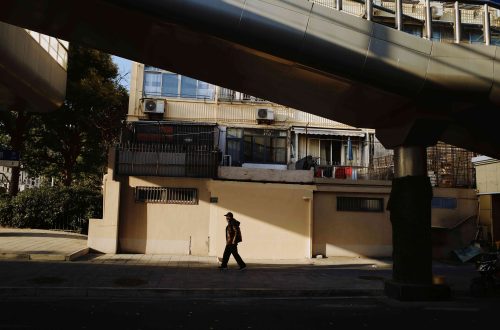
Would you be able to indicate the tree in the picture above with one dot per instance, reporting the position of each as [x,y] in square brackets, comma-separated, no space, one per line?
[14,127]
[72,142]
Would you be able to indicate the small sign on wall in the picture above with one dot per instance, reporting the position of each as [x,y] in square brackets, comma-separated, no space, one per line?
[214,199]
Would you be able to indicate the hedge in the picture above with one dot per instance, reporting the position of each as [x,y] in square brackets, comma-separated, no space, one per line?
[67,208]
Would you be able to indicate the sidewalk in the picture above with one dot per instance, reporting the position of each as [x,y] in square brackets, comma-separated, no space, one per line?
[38,244]
[139,275]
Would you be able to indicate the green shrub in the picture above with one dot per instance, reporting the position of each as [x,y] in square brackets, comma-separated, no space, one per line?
[56,208]
[5,210]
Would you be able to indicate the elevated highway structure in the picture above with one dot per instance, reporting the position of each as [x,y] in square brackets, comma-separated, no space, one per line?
[350,68]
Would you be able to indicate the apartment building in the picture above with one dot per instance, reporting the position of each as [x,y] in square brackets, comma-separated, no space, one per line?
[193,151]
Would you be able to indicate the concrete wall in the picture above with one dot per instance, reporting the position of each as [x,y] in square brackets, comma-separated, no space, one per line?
[275,218]
[278,220]
[269,175]
[488,186]
[488,178]
[454,228]
[338,233]
[369,234]
[103,233]
[467,206]
[156,228]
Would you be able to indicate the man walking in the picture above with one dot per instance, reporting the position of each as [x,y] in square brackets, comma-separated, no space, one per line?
[233,237]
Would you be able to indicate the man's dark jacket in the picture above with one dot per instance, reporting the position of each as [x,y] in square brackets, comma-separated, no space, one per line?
[233,232]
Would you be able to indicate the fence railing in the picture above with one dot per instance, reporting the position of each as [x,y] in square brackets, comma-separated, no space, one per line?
[459,13]
[71,224]
[167,160]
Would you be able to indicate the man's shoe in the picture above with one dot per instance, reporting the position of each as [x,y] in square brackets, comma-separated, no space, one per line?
[243,267]
[222,267]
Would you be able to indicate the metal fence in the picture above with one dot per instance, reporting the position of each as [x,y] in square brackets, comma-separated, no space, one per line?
[167,160]
[71,224]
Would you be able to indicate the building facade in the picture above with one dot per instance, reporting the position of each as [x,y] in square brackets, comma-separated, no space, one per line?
[300,184]
[488,187]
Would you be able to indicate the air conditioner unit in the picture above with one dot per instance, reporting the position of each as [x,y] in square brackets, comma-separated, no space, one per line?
[154,106]
[265,114]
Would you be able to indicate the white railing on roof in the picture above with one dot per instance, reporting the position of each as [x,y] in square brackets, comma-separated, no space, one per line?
[472,12]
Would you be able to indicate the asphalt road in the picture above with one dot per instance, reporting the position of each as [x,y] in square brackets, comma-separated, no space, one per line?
[247,313]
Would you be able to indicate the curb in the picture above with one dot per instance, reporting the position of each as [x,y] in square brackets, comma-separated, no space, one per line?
[112,292]
[77,254]
[14,256]
[44,256]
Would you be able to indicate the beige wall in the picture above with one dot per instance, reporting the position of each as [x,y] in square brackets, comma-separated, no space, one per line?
[278,221]
[370,233]
[485,215]
[350,233]
[103,233]
[488,186]
[274,218]
[467,206]
[155,228]
[488,178]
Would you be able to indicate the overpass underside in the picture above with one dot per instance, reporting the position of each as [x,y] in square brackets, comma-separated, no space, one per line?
[413,91]
[298,54]
[30,79]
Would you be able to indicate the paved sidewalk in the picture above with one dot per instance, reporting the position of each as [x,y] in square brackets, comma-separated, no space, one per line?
[139,275]
[38,244]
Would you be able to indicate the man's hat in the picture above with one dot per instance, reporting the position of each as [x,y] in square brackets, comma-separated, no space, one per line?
[228,214]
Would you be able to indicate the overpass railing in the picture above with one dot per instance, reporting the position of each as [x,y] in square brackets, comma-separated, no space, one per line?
[479,14]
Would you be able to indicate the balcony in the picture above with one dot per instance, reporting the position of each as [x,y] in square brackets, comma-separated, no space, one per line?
[167,161]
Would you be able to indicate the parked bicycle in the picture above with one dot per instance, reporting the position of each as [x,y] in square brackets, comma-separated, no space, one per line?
[488,283]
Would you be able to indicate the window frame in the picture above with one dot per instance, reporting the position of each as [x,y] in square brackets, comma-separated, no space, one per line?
[355,204]
[166,195]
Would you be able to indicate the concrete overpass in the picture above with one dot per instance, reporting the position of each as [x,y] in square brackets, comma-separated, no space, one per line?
[413,91]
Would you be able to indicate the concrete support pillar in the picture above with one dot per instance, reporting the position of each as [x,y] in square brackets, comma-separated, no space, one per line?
[410,161]
[410,213]
[410,206]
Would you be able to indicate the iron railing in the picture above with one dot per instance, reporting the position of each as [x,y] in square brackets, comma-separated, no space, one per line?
[460,14]
[167,160]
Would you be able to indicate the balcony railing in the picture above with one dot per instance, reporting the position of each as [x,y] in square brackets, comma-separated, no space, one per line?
[483,14]
[167,160]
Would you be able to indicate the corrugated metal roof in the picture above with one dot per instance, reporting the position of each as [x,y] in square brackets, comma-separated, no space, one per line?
[324,131]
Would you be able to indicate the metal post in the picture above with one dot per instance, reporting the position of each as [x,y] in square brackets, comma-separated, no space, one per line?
[339,4]
[458,24]
[428,19]
[486,27]
[399,15]
[369,9]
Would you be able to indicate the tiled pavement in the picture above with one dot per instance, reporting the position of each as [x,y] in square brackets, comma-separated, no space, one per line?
[37,244]
[98,275]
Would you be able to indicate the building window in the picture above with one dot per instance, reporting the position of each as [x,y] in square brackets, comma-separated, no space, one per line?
[444,203]
[360,204]
[152,83]
[168,84]
[256,146]
[415,30]
[166,195]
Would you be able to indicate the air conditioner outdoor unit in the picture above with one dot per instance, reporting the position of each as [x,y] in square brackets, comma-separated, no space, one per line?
[265,114]
[154,106]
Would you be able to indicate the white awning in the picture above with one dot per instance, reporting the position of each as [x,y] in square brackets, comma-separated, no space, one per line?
[326,131]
